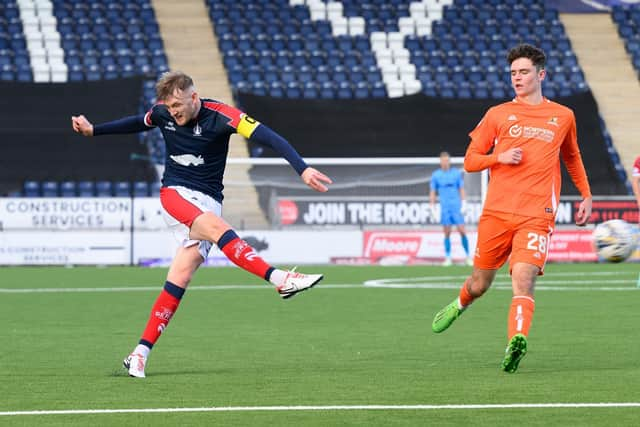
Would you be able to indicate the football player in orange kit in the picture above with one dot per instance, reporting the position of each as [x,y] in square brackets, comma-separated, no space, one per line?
[520,142]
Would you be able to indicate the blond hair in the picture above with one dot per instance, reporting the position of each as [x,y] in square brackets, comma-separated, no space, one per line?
[170,82]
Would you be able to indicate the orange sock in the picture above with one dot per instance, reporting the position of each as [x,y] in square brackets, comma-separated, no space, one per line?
[465,298]
[520,315]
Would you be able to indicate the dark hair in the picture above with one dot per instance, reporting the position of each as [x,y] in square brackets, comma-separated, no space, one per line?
[535,54]
[444,153]
[171,81]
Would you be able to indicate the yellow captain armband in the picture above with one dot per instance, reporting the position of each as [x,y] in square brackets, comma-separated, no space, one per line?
[247,125]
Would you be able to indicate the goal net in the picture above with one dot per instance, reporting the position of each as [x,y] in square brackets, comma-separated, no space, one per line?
[366,192]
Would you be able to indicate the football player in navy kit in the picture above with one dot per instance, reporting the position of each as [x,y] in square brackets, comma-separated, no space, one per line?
[196,133]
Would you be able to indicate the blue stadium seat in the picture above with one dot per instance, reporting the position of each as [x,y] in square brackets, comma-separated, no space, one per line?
[362,90]
[465,92]
[340,74]
[310,90]
[317,58]
[305,74]
[31,189]
[345,90]
[86,189]
[288,74]
[446,90]
[122,189]
[327,90]
[293,90]
[335,58]
[472,33]
[68,189]
[154,189]
[276,90]
[322,74]
[104,189]
[480,92]
[49,189]
[378,90]
[352,58]
[93,72]
[253,74]
[299,58]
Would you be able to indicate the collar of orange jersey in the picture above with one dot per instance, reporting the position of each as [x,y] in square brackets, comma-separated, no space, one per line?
[520,102]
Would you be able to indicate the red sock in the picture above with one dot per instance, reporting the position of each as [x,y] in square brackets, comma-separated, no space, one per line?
[161,313]
[520,316]
[465,297]
[243,255]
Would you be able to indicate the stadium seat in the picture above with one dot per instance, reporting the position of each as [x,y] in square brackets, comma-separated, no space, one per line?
[68,189]
[86,189]
[49,189]
[462,35]
[31,189]
[293,90]
[310,90]
[122,189]
[104,189]
[154,189]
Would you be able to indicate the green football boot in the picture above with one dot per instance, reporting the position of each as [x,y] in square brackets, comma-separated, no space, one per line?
[445,317]
[515,351]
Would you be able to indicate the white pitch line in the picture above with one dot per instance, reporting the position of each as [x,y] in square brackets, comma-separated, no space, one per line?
[425,282]
[499,287]
[327,408]
[434,282]
[157,288]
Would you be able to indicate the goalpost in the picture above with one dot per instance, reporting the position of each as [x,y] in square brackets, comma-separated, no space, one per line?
[366,192]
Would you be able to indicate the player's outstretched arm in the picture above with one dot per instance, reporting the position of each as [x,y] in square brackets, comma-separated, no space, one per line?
[316,179]
[584,212]
[81,125]
[262,134]
[131,124]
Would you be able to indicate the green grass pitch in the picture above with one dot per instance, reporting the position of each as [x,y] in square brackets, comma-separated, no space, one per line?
[341,344]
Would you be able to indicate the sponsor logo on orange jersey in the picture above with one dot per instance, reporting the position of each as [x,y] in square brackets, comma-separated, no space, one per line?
[542,134]
[515,131]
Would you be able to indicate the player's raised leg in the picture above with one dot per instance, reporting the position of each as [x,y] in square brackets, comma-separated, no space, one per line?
[209,226]
[474,287]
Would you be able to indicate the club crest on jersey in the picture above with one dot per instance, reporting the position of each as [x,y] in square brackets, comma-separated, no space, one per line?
[197,130]
[553,121]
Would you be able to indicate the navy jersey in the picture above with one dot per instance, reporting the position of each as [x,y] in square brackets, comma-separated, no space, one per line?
[196,154]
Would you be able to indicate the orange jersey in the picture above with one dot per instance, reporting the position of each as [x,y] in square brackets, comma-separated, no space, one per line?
[544,132]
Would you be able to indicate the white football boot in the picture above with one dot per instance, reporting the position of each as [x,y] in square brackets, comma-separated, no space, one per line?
[296,282]
[134,363]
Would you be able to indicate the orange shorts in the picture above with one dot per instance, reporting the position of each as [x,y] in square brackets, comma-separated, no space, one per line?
[501,234]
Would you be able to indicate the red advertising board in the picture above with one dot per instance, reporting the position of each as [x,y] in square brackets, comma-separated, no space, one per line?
[418,247]
[571,246]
